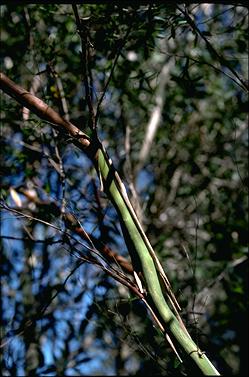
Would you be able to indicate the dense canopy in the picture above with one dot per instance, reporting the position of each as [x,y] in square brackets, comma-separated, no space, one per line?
[167,86]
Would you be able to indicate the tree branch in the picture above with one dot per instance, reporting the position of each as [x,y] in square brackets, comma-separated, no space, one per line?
[43,111]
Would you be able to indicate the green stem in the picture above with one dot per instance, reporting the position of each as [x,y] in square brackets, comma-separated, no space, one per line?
[116,193]
[137,242]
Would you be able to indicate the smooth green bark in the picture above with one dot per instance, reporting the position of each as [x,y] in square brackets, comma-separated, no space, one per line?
[119,199]
[116,192]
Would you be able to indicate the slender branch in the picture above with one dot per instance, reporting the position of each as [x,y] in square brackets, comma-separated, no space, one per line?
[110,270]
[83,33]
[48,241]
[74,225]
[135,238]
[40,310]
[117,276]
[62,97]
[211,49]
[62,174]
[216,69]
[111,74]
[43,111]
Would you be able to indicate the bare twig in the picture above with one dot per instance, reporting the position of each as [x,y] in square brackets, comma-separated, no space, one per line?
[62,175]
[122,43]
[212,50]
[63,102]
[40,311]
[83,33]
[74,225]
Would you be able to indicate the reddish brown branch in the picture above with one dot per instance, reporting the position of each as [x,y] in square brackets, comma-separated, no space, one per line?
[111,255]
[43,111]
[73,225]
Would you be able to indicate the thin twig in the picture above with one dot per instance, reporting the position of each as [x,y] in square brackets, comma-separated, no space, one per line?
[211,49]
[82,31]
[111,74]
[59,86]
[40,311]
[118,275]
[62,175]
[47,241]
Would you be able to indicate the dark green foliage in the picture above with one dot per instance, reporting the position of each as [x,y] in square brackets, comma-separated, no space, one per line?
[192,186]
